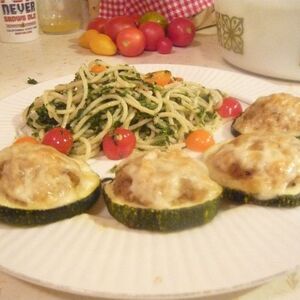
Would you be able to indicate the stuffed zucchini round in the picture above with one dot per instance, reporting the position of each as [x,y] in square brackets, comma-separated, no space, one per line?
[260,169]
[162,191]
[40,185]
[277,113]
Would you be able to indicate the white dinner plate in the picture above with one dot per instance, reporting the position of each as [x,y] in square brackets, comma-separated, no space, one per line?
[92,254]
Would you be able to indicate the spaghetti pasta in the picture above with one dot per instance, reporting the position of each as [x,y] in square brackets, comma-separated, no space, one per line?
[95,103]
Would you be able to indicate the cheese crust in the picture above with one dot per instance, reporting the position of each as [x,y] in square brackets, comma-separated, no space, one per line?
[271,114]
[263,165]
[159,180]
[36,176]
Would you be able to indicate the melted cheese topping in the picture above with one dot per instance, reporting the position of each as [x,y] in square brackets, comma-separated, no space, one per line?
[37,176]
[272,114]
[164,180]
[263,165]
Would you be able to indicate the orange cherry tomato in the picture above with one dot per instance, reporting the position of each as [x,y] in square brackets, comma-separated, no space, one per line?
[199,140]
[26,139]
[161,78]
[97,69]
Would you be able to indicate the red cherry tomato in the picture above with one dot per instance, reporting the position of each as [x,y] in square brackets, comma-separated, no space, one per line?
[153,33]
[135,18]
[118,144]
[164,46]
[97,24]
[230,108]
[131,42]
[181,32]
[59,138]
[117,24]
[199,140]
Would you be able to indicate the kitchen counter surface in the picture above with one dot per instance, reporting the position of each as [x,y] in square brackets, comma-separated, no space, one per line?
[52,56]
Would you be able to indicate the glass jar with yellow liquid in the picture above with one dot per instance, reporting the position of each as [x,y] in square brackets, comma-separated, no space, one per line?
[59,16]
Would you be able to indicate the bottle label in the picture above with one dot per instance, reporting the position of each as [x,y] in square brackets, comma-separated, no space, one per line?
[18,21]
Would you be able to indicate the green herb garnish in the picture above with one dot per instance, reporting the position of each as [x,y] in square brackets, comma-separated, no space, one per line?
[31,81]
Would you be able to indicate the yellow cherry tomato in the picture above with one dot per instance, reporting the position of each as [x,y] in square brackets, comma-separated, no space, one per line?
[102,44]
[153,16]
[85,38]
[199,140]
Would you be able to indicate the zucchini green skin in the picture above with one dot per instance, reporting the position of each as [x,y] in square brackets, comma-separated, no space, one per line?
[234,132]
[164,220]
[24,217]
[244,198]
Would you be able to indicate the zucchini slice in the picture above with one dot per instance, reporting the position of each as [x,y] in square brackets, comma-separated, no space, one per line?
[276,113]
[162,191]
[39,185]
[32,217]
[259,169]
[173,219]
[292,200]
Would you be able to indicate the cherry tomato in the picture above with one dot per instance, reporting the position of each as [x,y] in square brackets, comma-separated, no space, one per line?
[131,42]
[26,139]
[230,108]
[164,46]
[161,78]
[102,44]
[153,16]
[135,18]
[118,144]
[59,138]
[181,32]
[153,33]
[199,140]
[86,37]
[97,24]
[97,68]
[116,24]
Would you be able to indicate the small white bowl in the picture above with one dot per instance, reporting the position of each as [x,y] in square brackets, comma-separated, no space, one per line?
[261,36]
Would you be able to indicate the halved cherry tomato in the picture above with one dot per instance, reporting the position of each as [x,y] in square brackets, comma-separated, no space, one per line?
[131,42]
[118,144]
[26,139]
[230,108]
[97,24]
[199,140]
[97,68]
[161,78]
[59,138]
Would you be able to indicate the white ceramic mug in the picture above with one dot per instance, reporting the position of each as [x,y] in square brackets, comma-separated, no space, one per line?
[261,36]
